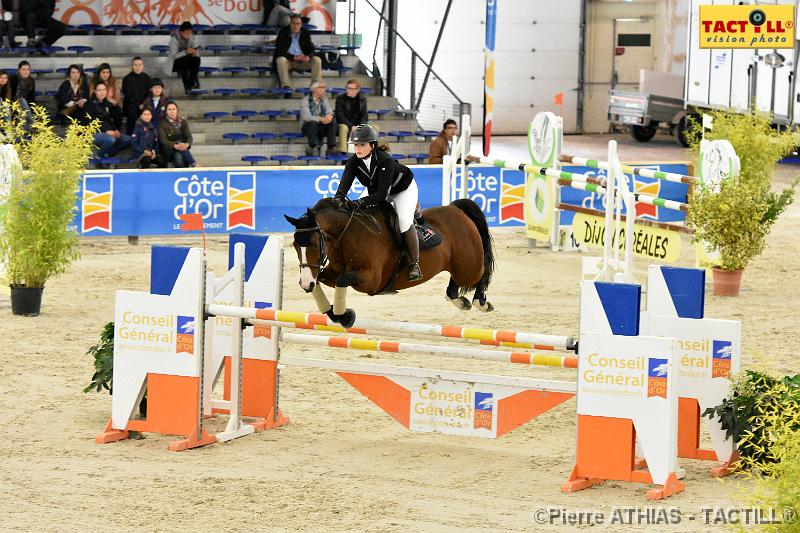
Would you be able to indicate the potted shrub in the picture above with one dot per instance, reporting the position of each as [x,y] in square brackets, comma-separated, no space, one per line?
[735,216]
[35,241]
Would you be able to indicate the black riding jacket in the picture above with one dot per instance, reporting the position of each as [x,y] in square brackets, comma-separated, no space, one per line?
[385,177]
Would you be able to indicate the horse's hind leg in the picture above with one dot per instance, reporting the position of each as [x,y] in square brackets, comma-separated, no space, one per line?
[480,301]
[452,296]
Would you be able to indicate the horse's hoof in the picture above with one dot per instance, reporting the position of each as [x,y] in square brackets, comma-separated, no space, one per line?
[486,306]
[462,302]
[346,319]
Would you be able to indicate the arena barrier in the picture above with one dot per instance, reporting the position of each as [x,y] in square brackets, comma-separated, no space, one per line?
[454,402]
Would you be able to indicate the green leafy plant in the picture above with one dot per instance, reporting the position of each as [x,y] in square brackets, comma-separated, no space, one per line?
[103,354]
[756,405]
[36,242]
[737,218]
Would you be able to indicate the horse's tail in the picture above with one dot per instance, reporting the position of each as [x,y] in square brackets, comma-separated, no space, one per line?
[477,217]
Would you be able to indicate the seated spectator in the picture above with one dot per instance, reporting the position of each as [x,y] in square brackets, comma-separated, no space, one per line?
[5,87]
[103,73]
[7,24]
[351,110]
[175,139]
[39,14]
[144,142]
[443,144]
[316,116]
[109,140]
[73,95]
[276,13]
[294,50]
[135,89]
[157,101]
[23,91]
[185,56]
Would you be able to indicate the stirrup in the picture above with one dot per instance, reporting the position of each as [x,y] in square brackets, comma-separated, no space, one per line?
[414,272]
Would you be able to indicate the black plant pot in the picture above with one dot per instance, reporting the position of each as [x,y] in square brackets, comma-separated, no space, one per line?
[26,301]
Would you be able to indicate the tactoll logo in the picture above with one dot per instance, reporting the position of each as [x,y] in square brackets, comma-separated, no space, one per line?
[747,26]
[184,336]
[96,203]
[657,375]
[512,197]
[241,200]
[484,402]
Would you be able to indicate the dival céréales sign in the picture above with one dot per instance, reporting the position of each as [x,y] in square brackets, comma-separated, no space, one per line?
[747,26]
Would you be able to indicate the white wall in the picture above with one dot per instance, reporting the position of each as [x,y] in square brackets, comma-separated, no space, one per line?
[536,53]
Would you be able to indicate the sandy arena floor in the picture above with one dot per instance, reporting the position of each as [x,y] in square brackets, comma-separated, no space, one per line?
[342,464]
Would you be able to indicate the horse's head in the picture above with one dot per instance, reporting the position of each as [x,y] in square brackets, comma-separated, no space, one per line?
[309,245]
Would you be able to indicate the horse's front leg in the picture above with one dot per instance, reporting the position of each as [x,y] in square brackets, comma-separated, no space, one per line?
[323,304]
[340,313]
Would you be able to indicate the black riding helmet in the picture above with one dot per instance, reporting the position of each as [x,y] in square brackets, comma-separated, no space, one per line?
[363,133]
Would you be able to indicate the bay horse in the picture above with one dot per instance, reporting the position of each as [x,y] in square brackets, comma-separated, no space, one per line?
[341,245]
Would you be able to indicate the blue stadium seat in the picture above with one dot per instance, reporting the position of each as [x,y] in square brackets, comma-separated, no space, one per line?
[197,92]
[380,112]
[268,49]
[253,159]
[292,135]
[419,157]
[162,49]
[233,71]
[50,50]
[293,113]
[214,115]
[401,134]
[398,156]
[62,71]
[90,28]
[223,91]
[118,28]
[244,48]
[245,114]
[280,90]
[145,28]
[224,28]
[51,93]
[251,27]
[309,158]
[20,50]
[367,90]
[264,136]
[200,27]
[302,90]
[208,70]
[39,72]
[261,70]
[234,137]
[326,48]
[337,157]
[427,134]
[80,49]
[253,91]
[336,90]
[217,48]
[89,70]
[272,114]
[169,27]
[282,158]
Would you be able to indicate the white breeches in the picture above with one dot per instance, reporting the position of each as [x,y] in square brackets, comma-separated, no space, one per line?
[405,202]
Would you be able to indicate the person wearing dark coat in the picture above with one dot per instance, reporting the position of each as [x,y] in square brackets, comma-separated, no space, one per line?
[23,91]
[386,180]
[175,138]
[294,50]
[157,101]
[109,140]
[351,110]
[73,95]
[144,141]
[135,89]
[39,14]
[7,24]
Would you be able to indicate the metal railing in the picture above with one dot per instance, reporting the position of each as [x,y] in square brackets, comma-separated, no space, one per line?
[403,73]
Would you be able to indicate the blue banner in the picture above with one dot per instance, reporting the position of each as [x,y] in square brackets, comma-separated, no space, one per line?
[246,199]
[650,186]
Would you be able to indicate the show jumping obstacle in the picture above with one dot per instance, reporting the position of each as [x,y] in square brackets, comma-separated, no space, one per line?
[422,399]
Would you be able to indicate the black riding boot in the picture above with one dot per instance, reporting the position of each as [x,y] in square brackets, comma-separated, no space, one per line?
[412,246]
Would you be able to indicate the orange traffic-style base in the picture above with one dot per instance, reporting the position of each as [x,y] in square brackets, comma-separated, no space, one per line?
[194,440]
[110,434]
[689,438]
[672,486]
[726,468]
[271,421]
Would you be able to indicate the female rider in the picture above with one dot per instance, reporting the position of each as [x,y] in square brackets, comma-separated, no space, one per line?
[385,180]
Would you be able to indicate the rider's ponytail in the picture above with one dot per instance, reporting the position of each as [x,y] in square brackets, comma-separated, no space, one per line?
[383,147]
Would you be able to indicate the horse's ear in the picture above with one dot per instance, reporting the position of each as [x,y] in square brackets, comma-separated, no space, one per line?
[293,221]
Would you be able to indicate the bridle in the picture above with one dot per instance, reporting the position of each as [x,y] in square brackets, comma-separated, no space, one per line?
[323,256]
